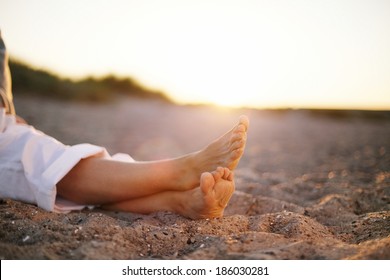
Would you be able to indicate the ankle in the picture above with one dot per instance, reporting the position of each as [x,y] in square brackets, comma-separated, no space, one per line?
[177,203]
[188,174]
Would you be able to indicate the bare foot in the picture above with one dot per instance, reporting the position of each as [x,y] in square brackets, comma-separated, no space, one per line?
[211,198]
[225,151]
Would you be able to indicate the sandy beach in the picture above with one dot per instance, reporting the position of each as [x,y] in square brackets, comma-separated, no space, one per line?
[309,186]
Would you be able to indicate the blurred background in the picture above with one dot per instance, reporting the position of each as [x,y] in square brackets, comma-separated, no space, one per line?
[263,54]
[159,79]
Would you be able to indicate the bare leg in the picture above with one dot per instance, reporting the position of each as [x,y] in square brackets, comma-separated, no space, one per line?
[99,181]
[207,201]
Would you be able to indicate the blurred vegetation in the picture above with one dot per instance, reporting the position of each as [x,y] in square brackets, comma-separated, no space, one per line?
[350,114]
[27,80]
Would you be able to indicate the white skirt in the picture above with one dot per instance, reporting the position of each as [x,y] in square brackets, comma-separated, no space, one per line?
[32,163]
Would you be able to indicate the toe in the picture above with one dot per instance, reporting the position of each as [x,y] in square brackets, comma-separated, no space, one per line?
[206,182]
[236,153]
[230,177]
[240,128]
[244,121]
[238,136]
[218,173]
[226,173]
[237,145]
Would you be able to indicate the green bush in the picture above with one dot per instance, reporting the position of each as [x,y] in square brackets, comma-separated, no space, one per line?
[26,80]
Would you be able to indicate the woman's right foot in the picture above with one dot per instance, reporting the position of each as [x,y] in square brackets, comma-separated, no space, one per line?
[228,149]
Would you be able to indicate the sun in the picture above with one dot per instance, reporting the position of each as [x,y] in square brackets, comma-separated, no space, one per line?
[202,61]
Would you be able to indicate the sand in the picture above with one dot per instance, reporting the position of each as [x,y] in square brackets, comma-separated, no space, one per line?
[310,186]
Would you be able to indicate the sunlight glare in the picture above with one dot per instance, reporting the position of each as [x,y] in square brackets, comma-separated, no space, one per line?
[213,60]
[223,52]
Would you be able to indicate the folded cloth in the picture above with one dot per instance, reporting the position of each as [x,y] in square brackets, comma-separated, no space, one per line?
[32,163]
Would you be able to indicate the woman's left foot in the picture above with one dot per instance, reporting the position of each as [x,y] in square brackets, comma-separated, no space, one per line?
[210,199]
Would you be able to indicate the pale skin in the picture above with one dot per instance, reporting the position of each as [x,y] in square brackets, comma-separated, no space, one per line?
[197,185]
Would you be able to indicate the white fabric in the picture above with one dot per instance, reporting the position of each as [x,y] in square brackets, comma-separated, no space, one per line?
[32,163]
[5,80]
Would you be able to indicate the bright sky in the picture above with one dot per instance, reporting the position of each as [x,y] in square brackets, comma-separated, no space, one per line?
[275,53]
